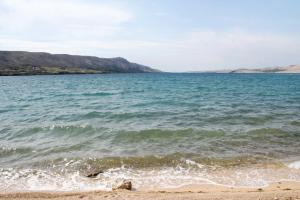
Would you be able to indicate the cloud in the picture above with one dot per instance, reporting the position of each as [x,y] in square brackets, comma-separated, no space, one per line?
[197,50]
[60,19]
[100,29]
[161,14]
[83,47]
[209,50]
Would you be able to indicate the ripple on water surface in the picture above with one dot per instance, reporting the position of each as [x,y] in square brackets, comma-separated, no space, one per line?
[156,129]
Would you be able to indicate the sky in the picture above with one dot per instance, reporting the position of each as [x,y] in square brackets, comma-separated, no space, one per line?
[170,35]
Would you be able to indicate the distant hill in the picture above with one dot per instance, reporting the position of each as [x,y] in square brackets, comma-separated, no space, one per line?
[288,69]
[33,63]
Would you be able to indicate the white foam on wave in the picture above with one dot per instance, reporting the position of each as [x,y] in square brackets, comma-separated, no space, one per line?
[41,180]
[193,163]
[169,177]
[4,148]
[63,126]
[294,165]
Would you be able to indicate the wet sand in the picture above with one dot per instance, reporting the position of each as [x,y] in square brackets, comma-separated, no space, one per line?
[279,190]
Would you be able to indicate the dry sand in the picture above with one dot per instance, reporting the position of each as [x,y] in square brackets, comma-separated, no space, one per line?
[280,190]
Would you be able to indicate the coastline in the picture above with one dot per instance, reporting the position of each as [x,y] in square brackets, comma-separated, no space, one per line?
[278,190]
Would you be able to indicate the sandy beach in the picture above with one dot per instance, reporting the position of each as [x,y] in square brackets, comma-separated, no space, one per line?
[279,190]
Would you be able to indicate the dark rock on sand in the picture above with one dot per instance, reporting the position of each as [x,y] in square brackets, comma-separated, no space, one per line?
[125,185]
[94,174]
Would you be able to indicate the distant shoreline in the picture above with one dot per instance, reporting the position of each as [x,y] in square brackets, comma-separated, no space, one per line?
[106,73]
[291,69]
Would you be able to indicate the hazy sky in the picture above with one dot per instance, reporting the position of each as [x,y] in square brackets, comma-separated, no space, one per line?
[171,35]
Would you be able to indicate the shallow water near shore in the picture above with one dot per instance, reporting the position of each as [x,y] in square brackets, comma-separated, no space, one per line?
[159,130]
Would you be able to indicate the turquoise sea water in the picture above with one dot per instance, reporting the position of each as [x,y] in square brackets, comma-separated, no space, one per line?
[159,129]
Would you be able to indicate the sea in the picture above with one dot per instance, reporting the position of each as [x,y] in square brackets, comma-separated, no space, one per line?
[158,130]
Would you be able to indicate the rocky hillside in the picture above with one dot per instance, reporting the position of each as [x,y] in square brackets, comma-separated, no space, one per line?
[29,63]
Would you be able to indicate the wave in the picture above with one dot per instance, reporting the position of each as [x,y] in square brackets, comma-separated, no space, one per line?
[294,165]
[152,147]
[87,94]
[64,177]
[48,133]
[5,110]
[295,123]
[98,94]
[160,134]
[182,160]
[273,142]
[139,115]
[239,118]
[7,151]
[265,134]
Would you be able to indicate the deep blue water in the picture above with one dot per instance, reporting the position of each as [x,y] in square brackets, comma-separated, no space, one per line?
[147,121]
